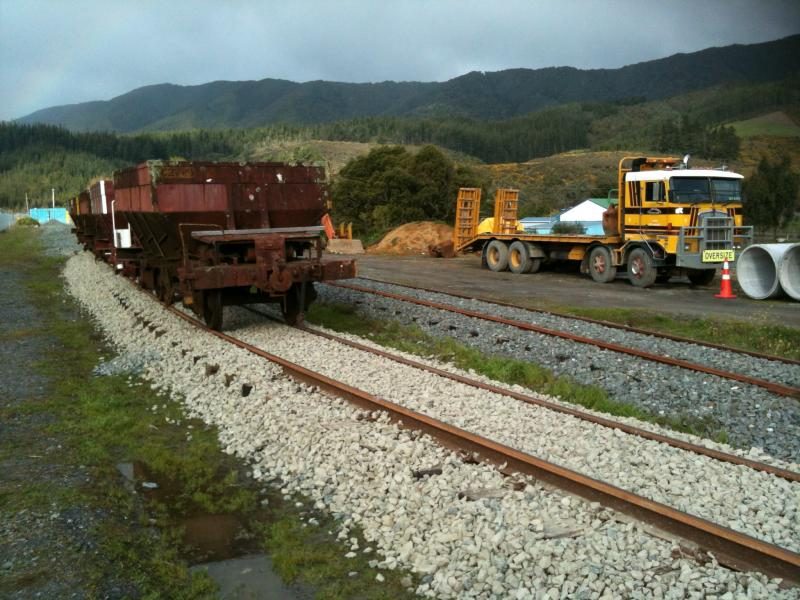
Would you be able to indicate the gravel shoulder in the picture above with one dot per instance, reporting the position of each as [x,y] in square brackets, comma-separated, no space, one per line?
[46,530]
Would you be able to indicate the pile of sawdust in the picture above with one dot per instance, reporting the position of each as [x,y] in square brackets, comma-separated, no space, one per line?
[413,238]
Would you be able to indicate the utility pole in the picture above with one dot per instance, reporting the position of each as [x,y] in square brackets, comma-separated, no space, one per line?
[27,210]
[54,197]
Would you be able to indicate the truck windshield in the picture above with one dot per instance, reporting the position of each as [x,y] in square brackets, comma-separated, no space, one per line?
[691,190]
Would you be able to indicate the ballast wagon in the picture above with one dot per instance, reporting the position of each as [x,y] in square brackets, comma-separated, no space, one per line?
[217,234]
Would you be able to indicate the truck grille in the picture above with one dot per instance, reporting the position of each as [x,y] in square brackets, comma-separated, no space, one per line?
[714,231]
[718,233]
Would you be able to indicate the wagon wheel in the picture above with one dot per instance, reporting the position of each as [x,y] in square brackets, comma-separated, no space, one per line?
[165,287]
[519,258]
[212,309]
[296,302]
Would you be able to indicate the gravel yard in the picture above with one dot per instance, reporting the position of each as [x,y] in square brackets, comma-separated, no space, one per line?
[465,531]
[752,417]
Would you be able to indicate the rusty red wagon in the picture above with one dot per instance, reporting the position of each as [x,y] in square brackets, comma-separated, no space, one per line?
[217,234]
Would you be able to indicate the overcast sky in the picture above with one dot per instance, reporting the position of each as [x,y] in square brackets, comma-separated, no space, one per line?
[66,51]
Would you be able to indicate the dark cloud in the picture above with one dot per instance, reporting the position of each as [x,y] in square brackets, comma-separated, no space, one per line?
[56,52]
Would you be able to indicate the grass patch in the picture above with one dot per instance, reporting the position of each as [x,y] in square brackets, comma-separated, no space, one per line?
[16,335]
[411,339]
[36,495]
[763,337]
[309,554]
[772,124]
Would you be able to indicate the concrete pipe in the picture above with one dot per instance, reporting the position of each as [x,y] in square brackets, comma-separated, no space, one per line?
[789,271]
[757,270]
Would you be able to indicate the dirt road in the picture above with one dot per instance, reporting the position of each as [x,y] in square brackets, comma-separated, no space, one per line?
[552,289]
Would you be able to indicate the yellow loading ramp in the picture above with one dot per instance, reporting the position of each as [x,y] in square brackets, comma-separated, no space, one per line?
[468,206]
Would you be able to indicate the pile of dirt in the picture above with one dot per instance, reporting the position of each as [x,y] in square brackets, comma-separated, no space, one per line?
[419,237]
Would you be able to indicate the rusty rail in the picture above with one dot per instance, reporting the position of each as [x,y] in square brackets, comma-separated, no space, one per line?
[775,388]
[731,548]
[666,336]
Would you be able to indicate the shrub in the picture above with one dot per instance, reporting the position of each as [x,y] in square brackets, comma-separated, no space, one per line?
[27,222]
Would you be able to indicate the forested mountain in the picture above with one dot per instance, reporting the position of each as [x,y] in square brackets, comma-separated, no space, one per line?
[499,95]
[36,158]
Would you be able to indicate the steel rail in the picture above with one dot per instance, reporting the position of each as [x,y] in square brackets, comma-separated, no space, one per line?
[731,548]
[667,336]
[775,388]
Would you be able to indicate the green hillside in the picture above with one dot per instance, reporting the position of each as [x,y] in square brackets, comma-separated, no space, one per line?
[777,124]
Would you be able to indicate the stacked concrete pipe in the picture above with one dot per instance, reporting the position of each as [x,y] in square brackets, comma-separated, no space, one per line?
[759,269]
[789,271]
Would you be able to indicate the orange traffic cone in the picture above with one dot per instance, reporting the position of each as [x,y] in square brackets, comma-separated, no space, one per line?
[725,291]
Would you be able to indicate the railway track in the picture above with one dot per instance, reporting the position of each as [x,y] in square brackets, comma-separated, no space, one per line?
[609,324]
[580,414]
[771,386]
[731,548]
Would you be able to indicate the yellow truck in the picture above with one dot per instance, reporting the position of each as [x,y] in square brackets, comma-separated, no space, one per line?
[668,219]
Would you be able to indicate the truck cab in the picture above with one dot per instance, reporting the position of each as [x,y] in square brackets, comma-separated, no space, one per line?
[685,218]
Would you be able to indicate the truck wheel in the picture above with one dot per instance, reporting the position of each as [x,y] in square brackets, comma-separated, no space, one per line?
[701,276]
[600,267]
[519,260]
[536,262]
[497,256]
[641,271]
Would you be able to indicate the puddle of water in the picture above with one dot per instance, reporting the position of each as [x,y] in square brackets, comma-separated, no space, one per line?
[207,537]
[220,544]
[251,578]
[216,537]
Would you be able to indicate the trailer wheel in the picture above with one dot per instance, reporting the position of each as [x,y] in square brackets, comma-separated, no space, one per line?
[600,265]
[519,259]
[701,276]
[497,256]
[641,270]
[212,309]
